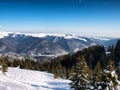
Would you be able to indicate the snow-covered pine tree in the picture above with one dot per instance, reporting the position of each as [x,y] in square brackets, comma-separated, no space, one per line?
[96,77]
[80,76]
[109,78]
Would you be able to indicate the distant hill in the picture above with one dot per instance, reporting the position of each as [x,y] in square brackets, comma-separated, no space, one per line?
[47,45]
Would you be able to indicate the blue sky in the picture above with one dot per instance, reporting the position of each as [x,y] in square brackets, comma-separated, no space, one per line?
[97,17]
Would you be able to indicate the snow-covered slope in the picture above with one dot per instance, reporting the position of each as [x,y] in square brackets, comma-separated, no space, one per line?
[19,79]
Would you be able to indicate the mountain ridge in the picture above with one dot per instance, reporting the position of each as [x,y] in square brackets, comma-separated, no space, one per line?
[43,44]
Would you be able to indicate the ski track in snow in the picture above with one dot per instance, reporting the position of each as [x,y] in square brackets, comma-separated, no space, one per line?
[20,79]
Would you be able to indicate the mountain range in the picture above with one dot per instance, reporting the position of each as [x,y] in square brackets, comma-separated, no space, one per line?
[50,45]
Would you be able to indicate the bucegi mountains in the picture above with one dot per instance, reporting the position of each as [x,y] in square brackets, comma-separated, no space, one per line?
[47,45]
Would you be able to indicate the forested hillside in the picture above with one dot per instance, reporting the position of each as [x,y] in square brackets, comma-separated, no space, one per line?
[92,56]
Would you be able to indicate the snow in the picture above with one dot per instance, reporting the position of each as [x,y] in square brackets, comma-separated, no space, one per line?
[20,79]
[3,34]
[77,49]
[108,53]
[101,38]
[44,34]
[66,36]
[41,35]
[113,73]
[36,35]
[92,44]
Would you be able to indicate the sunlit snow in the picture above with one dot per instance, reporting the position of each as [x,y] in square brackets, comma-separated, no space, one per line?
[20,79]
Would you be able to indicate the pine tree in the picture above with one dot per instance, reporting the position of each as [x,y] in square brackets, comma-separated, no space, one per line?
[4,64]
[55,71]
[72,71]
[80,75]
[111,49]
[4,68]
[96,75]
[64,72]
[117,51]
[109,78]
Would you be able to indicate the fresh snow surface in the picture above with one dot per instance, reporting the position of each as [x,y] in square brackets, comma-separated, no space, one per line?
[20,79]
